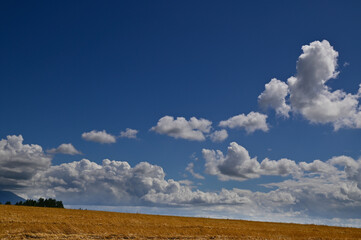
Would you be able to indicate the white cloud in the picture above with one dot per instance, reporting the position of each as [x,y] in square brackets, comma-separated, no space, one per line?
[98,136]
[129,133]
[65,148]
[317,189]
[238,165]
[219,136]
[190,169]
[194,129]
[251,122]
[308,93]
[274,96]
[20,162]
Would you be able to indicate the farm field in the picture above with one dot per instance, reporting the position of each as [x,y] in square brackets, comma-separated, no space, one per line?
[20,222]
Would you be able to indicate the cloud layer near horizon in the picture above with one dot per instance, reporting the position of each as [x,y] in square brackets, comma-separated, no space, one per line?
[335,183]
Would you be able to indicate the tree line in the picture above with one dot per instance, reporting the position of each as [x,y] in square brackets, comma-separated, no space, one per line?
[48,202]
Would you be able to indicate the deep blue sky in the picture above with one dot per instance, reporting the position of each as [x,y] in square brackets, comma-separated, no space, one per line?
[69,67]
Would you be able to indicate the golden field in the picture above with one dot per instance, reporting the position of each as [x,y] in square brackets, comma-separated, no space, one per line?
[20,222]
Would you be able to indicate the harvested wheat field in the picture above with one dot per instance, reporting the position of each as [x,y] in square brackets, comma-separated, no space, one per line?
[19,222]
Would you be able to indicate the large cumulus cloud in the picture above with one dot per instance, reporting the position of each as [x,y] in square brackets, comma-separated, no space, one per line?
[308,93]
[20,162]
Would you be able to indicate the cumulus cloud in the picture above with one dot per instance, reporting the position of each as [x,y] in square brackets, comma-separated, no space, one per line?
[274,96]
[65,148]
[20,162]
[98,136]
[238,165]
[250,122]
[112,182]
[193,129]
[129,133]
[319,189]
[219,136]
[190,169]
[308,93]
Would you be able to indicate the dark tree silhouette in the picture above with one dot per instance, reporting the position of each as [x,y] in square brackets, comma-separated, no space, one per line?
[42,203]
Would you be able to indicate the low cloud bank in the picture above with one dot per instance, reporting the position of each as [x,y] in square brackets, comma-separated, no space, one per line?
[309,190]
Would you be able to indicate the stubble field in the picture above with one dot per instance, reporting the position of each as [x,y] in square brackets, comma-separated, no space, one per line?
[19,222]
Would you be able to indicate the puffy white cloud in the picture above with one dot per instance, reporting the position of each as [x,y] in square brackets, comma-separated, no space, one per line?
[250,122]
[98,136]
[190,169]
[308,93]
[282,167]
[352,168]
[194,129]
[65,148]
[112,182]
[315,66]
[317,166]
[20,162]
[219,136]
[129,133]
[274,96]
[238,165]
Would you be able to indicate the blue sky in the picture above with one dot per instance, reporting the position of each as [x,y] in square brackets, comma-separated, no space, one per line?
[67,69]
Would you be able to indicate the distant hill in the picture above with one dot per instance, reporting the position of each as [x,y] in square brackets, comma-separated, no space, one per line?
[9,196]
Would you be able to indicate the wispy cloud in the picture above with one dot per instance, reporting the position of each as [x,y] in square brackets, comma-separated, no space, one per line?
[190,169]
[129,133]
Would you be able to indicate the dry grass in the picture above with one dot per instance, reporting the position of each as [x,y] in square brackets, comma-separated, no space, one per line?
[19,222]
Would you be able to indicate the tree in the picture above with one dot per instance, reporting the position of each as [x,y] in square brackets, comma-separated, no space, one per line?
[59,204]
[42,203]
